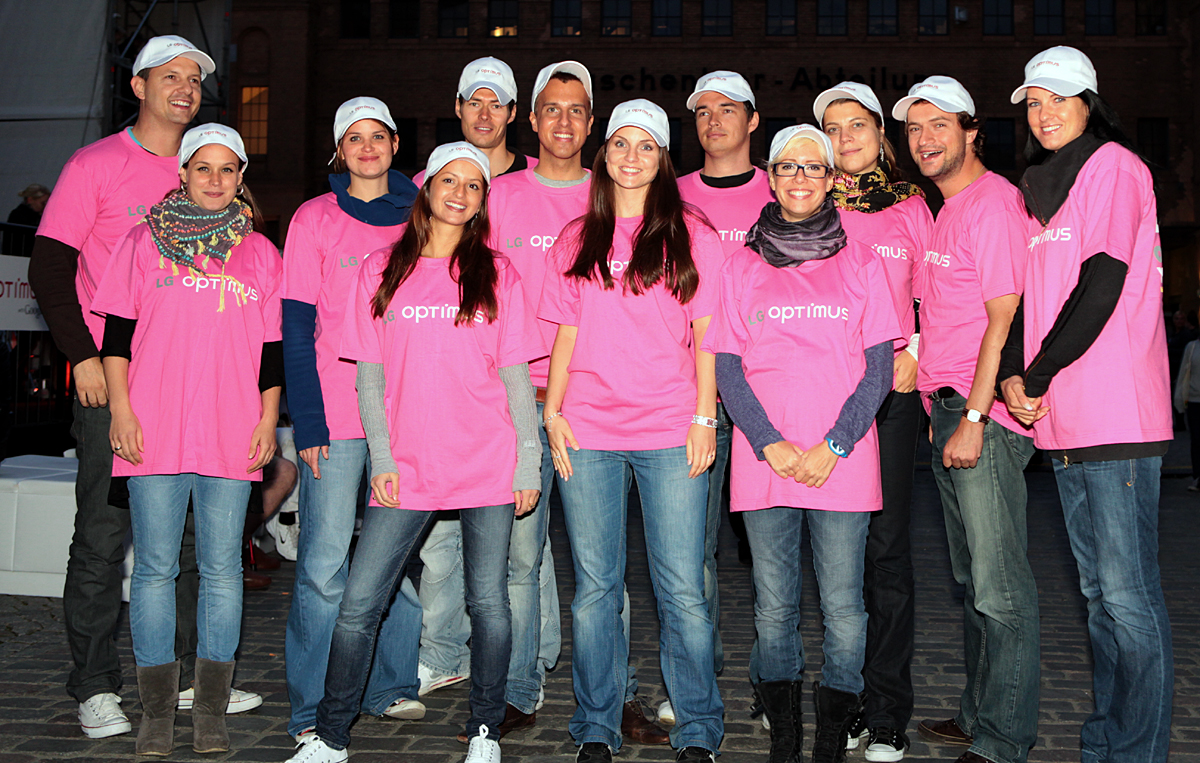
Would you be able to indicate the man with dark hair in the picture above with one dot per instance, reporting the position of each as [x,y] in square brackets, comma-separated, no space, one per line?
[19,243]
[105,189]
[970,284]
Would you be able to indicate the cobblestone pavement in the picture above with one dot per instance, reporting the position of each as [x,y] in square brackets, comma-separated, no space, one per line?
[37,719]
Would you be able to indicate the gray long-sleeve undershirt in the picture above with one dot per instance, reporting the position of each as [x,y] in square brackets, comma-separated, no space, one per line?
[852,423]
[521,405]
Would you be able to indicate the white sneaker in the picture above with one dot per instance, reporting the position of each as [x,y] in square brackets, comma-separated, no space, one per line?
[287,537]
[312,749]
[431,681]
[483,750]
[100,716]
[541,699]
[239,701]
[666,713]
[406,710]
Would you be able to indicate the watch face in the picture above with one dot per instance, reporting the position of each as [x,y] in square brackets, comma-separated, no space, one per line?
[973,417]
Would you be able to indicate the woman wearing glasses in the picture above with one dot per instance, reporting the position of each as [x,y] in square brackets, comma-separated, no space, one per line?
[802,301]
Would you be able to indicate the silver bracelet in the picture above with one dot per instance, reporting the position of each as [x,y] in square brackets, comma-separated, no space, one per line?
[551,417]
[704,421]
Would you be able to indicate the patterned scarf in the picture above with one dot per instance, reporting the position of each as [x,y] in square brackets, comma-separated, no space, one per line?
[188,235]
[784,244]
[870,191]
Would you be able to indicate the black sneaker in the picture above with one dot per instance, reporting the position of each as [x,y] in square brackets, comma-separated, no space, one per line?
[695,755]
[886,745]
[594,752]
[857,732]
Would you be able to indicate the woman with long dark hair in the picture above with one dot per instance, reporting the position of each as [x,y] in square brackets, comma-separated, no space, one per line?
[194,372]
[442,336]
[889,216]
[327,241]
[1086,366]
[632,286]
[804,302]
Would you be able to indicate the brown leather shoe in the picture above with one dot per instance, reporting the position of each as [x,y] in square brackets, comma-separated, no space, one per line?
[945,732]
[255,581]
[639,729]
[514,720]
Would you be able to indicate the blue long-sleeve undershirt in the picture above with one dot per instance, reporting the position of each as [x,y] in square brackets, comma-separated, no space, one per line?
[305,402]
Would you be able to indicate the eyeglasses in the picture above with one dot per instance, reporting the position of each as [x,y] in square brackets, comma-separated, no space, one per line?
[792,169]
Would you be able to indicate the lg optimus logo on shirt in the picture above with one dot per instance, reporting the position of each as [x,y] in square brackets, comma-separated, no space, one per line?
[1050,234]
[785,313]
[537,242]
[218,282]
[937,258]
[418,313]
[890,252]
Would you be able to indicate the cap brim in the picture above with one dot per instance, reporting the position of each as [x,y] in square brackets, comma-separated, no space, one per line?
[739,97]
[500,91]
[1056,86]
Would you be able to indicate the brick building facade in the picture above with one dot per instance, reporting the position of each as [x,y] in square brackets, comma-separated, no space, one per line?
[296,60]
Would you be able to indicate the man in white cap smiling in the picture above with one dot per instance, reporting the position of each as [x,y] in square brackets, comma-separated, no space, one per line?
[973,274]
[104,189]
[731,192]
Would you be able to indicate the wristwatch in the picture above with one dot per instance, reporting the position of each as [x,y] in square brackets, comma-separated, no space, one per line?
[975,417]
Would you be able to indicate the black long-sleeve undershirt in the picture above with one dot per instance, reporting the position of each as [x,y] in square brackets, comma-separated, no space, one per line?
[52,269]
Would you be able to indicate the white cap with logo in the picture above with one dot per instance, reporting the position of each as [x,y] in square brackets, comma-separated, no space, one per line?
[788,134]
[946,93]
[206,135]
[161,50]
[855,91]
[729,84]
[1062,70]
[568,67]
[448,152]
[490,73]
[363,107]
[644,114]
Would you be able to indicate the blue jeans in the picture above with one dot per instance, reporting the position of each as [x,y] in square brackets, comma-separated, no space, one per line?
[984,510]
[594,504]
[158,510]
[839,541]
[532,594]
[712,528]
[327,511]
[1111,511]
[388,539]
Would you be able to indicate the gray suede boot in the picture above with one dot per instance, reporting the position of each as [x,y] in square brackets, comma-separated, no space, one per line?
[158,688]
[213,680]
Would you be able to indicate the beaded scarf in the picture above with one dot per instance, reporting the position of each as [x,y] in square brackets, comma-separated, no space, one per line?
[188,235]
[870,191]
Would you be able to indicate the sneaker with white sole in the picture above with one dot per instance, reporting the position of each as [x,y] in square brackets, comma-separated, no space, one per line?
[312,749]
[481,749]
[100,716]
[406,710]
[287,537]
[857,733]
[886,745]
[431,681]
[239,701]
[666,713]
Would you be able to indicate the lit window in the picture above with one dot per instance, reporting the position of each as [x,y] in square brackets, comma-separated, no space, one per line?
[617,18]
[502,18]
[567,18]
[453,18]
[252,120]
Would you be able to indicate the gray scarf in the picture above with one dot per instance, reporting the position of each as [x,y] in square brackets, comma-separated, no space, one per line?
[783,244]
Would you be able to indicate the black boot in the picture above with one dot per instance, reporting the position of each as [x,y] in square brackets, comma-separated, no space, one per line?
[782,701]
[835,715]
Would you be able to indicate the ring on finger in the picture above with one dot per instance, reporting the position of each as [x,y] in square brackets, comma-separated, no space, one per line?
[116,447]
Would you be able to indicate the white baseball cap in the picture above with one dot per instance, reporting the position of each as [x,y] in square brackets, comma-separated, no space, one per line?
[355,109]
[569,67]
[160,50]
[448,152]
[1062,70]
[729,84]
[490,73]
[946,93]
[204,135]
[788,134]
[644,114]
[855,91]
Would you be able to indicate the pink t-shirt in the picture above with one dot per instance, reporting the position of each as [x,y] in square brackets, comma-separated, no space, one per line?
[731,210]
[447,411]
[193,372]
[530,163]
[801,333]
[1119,390]
[526,218]
[633,372]
[321,256]
[105,189]
[976,253]
[900,235]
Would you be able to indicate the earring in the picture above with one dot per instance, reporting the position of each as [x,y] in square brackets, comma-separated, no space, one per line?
[241,189]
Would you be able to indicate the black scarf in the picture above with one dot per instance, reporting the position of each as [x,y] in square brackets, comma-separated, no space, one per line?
[1046,185]
[784,244]
[871,191]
